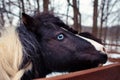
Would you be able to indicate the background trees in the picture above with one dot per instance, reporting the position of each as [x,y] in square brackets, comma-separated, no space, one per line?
[95,16]
[104,17]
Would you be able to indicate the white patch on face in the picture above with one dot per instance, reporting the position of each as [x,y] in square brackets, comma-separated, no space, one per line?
[64,29]
[97,45]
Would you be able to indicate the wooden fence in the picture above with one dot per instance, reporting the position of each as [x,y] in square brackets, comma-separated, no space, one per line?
[109,72]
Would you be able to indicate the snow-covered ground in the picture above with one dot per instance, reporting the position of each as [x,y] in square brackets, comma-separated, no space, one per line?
[114,55]
[108,63]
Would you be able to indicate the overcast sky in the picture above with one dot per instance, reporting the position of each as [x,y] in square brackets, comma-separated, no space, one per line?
[60,6]
[86,10]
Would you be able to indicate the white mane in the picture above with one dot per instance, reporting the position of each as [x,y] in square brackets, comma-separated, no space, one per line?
[10,55]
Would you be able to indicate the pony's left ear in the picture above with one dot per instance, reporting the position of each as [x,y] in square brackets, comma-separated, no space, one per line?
[29,22]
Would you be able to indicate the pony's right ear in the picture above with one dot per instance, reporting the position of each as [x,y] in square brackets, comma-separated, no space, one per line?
[29,22]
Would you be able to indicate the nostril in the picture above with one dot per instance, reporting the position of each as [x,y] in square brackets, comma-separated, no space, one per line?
[104,50]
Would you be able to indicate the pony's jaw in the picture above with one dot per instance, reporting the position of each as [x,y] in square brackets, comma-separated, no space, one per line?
[77,59]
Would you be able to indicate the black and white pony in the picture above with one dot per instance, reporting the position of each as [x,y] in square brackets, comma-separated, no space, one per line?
[42,45]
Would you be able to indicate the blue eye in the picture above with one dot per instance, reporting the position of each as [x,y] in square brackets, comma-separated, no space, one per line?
[60,37]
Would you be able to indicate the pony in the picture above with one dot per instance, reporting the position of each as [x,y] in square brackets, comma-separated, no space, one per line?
[42,44]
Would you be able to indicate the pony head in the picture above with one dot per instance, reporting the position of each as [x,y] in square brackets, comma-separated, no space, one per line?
[43,44]
[61,50]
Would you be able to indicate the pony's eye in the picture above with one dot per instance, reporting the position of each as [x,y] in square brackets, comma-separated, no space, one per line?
[60,37]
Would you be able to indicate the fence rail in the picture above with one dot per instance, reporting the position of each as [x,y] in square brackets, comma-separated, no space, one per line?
[112,44]
[109,72]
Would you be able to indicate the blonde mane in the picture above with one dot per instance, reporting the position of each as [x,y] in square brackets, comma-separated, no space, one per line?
[10,55]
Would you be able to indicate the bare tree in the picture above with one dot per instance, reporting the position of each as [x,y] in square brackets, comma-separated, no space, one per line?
[106,21]
[106,11]
[38,6]
[68,6]
[95,16]
[2,10]
[76,15]
[101,18]
[2,22]
[23,8]
[45,6]
[76,25]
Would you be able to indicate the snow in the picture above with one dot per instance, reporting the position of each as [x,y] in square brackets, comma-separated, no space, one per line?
[114,55]
[108,63]
[56,74]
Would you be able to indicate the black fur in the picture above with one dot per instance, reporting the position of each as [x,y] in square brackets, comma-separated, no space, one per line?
[38,36]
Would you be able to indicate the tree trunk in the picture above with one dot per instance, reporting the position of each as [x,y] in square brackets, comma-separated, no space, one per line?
[38,6]
[2,21]
[102,18]
[67,14]
[23,8]
[77,17]
[45,6]
[95,16]
[106,21]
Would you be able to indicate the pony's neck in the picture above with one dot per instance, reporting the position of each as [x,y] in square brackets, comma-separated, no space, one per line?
[31,53]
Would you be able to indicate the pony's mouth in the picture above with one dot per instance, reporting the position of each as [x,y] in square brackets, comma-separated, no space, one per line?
[102,59]
[100,65]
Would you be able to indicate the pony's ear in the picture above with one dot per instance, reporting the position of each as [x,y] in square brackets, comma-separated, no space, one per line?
[29,22]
